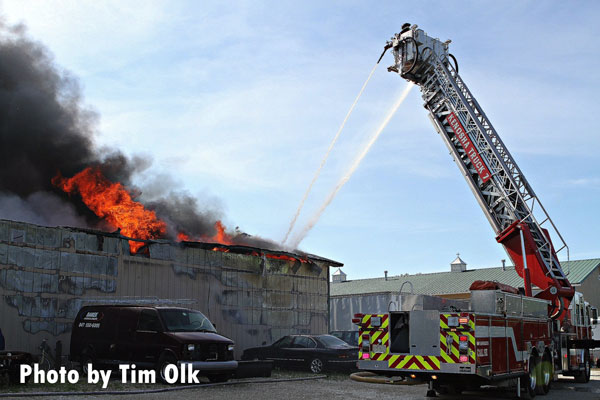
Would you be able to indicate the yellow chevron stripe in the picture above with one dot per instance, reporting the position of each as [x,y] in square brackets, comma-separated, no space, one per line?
[375,335]
[471,324]
[385,338]
[435,360]
[424,362]
[404,362]
[447,358]
[471,338]
[392,360]
[385,323]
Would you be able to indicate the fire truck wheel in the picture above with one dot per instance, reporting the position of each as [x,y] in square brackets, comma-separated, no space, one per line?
[530,381]
[584,376]
[545,372]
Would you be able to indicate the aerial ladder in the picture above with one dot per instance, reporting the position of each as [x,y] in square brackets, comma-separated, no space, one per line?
[501,333]
[516,214]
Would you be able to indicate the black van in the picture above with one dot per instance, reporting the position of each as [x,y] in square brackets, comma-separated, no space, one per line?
[151,338]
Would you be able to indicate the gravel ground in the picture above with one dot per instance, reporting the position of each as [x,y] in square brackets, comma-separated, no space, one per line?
[339,387]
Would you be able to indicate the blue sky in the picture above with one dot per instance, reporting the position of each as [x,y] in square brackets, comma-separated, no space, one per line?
[238,101]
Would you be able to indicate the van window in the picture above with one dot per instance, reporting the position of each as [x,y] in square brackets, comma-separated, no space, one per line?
[149,321]
[177,320]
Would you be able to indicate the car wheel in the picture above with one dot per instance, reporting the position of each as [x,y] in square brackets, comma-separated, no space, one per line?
[219,378]
[163,362]
[316,366]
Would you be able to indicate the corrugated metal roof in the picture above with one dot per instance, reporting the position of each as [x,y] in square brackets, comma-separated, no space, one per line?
[579,270]
[453,282]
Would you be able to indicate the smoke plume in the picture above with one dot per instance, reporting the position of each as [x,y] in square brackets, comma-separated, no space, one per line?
[46,129]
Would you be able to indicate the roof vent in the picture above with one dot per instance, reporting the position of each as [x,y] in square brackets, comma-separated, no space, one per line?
[385,273]
[458,265]
[338,276]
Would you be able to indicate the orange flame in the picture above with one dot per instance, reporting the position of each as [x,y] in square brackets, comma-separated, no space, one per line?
[182,237]
[112,202]
[221,236]
[285,258]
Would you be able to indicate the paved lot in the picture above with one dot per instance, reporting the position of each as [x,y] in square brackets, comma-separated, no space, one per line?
[340,388]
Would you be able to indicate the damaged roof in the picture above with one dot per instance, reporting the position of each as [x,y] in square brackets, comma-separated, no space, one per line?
[235,249]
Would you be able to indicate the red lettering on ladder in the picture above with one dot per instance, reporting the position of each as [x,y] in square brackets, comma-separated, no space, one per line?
[467,144]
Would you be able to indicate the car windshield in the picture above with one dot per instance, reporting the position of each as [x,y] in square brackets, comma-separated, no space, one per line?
[185,321]
[332,341]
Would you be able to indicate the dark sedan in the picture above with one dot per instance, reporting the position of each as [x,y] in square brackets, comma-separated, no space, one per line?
[350,337]
[314,352]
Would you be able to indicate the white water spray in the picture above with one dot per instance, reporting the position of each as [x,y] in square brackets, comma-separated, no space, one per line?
[337,135]
[315,218]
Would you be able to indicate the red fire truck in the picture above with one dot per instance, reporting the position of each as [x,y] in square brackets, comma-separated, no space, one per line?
[502,334]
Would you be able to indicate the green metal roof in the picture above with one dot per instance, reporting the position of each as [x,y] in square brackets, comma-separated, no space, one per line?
[439,283]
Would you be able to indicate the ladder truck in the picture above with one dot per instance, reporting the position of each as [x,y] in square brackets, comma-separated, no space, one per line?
[502,335]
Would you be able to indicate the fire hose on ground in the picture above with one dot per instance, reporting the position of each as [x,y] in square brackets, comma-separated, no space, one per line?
[370,377]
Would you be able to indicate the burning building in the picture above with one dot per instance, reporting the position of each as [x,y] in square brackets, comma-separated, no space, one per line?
[164,248]
[251,294]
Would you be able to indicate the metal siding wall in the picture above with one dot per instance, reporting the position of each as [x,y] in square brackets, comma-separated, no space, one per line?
[343,308]
[589,288]
[46,274]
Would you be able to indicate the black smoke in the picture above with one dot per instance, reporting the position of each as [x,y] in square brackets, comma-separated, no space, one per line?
[46,129]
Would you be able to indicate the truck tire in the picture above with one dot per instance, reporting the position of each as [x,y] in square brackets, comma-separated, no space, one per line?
[584,375]
[530,380]
[545,374]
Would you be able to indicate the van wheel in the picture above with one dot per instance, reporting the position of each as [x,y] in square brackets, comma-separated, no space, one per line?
[85,360]
[163,362]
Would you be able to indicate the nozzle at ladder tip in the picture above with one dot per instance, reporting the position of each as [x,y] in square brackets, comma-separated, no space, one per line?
[387,46]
